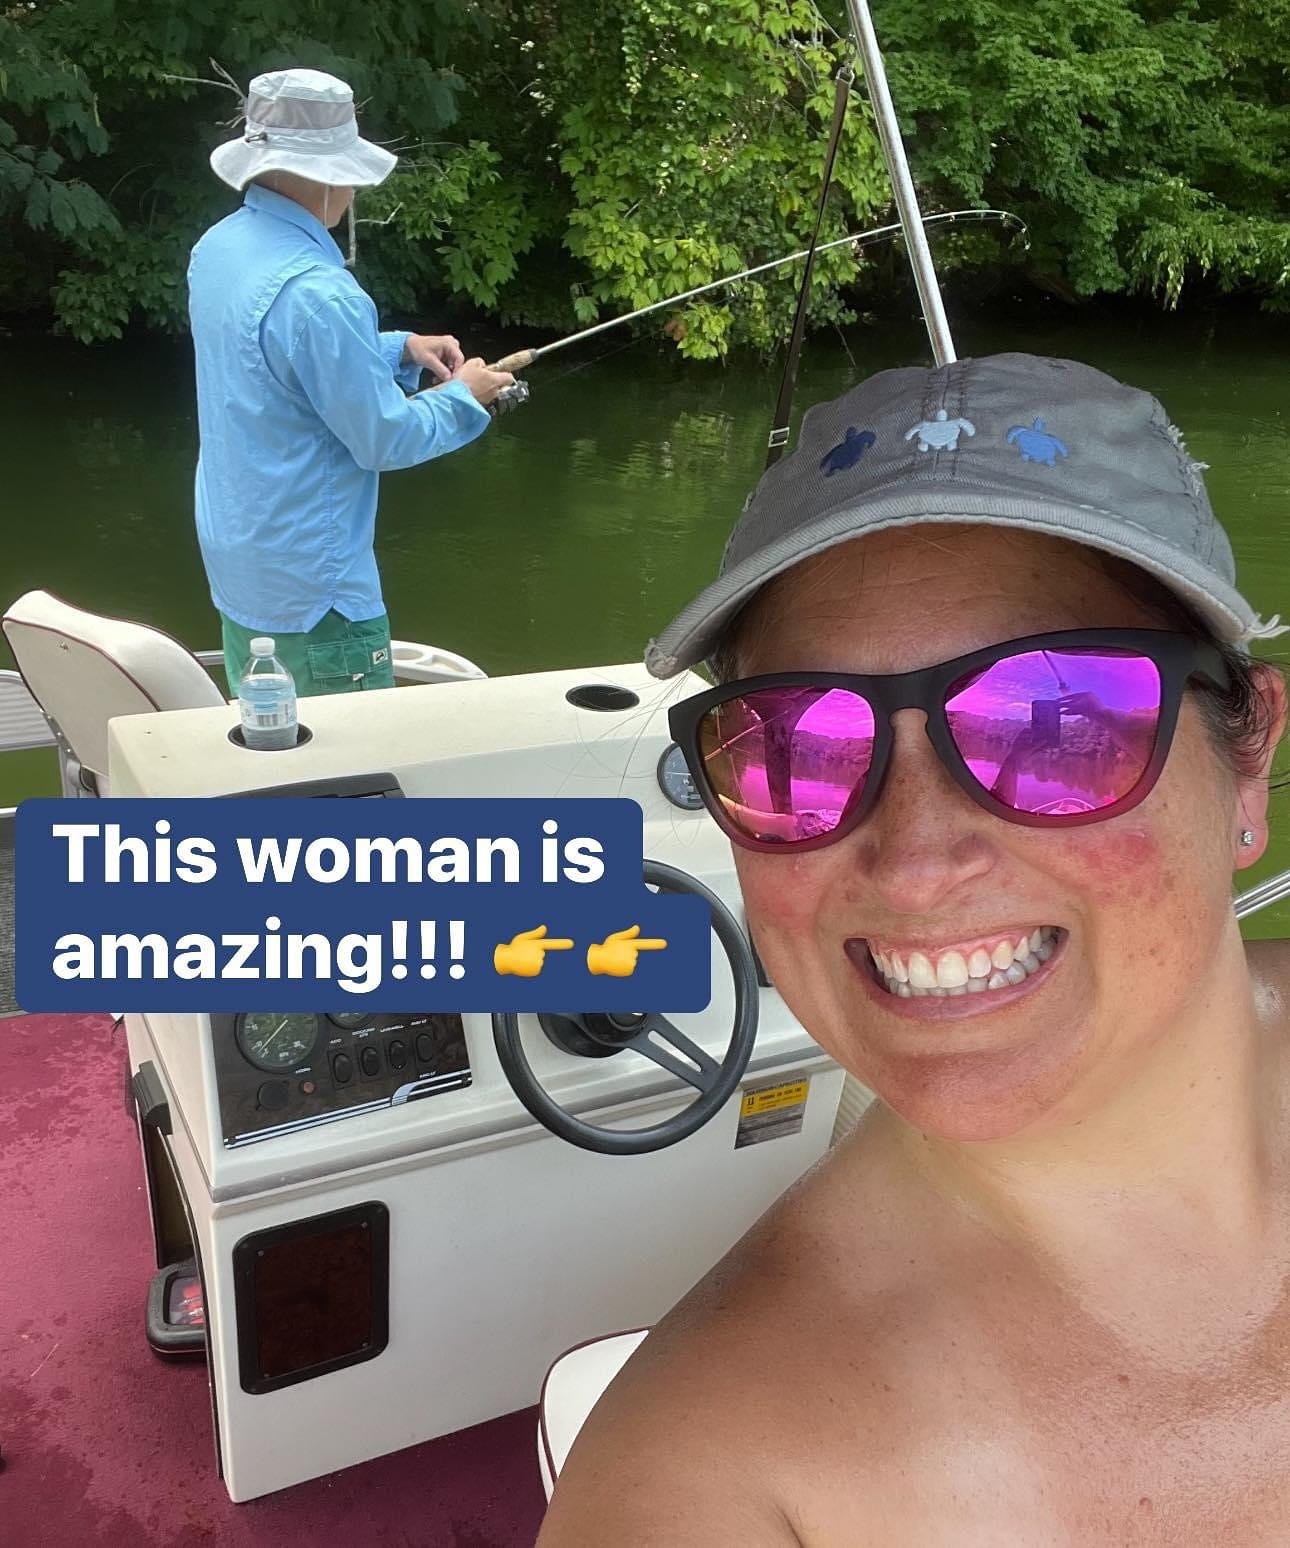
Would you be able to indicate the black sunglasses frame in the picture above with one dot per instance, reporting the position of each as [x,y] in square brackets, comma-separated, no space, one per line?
[1177,658]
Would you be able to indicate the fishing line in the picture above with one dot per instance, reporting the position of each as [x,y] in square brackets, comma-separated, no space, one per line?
[606,354]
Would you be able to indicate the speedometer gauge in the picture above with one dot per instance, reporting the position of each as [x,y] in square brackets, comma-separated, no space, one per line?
[273,1041]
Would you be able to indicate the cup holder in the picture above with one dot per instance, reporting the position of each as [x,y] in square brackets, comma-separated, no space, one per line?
[303,735]
[602,696]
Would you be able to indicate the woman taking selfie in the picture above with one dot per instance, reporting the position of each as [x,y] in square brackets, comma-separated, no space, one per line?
[988,746]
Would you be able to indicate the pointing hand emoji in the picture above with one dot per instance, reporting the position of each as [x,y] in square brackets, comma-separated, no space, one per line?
[523,954]
[616,956]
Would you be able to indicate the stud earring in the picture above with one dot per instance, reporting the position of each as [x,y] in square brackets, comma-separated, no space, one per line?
[1247,836]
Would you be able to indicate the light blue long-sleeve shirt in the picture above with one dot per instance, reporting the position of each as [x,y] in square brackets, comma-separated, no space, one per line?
[300,405]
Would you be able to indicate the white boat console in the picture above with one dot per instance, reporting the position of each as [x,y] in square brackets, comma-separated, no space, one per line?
[391,1247]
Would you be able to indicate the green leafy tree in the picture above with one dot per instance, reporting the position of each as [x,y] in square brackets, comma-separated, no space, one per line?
[602,156]
[625,152]
[143,101]
[1146,142]
[564,160]
[49,125]
[692,134]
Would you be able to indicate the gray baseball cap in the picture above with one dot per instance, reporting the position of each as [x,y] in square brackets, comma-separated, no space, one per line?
[1048,446]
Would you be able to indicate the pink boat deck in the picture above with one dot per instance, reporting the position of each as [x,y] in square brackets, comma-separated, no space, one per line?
[105,1444]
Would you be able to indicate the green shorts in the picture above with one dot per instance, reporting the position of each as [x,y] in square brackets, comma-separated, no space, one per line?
[336,656]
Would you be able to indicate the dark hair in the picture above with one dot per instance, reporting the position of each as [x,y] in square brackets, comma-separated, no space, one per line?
[1237,717]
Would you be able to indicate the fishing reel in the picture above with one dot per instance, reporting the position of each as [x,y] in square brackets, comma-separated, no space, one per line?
[509,398]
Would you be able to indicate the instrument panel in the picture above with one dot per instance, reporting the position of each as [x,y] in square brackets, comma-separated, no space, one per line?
[279,1072]
[675,782]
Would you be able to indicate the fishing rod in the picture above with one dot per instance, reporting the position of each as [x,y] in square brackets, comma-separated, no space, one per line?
[523,358]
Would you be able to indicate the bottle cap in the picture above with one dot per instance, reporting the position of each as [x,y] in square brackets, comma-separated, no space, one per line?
[262,646]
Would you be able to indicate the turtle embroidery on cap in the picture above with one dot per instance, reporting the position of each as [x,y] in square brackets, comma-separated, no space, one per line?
[1036,445]
[942,432]
[848,451]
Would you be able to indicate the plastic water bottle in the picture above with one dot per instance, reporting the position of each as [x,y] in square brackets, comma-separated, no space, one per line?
[267,696]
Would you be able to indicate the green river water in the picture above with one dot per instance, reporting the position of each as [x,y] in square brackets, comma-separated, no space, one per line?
[579,523]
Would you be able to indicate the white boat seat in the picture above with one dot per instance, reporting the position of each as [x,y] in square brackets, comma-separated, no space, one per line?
[573,1387]
[85,670]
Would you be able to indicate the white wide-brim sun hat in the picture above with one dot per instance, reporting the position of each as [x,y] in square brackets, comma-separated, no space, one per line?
[302,121]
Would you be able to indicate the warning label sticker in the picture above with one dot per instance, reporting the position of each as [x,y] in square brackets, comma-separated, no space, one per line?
[772,1111]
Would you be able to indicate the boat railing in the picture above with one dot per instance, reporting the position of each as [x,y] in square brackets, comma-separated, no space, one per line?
[1264,895]
[23,727]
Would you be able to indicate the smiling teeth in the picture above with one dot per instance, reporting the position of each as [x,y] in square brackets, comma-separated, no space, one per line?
[1010,962]
[922,975]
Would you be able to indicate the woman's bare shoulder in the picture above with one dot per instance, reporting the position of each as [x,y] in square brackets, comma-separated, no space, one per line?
[708,1413]
[844,1237]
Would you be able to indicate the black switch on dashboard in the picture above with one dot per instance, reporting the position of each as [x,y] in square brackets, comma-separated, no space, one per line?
[369,1061]
[397,1053]
[425,1048]
[273,1095]
[342,1068]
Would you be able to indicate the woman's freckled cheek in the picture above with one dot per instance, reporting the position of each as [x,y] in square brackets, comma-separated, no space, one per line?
[783,899]
[1126,874]
[1118,862]
[780,892]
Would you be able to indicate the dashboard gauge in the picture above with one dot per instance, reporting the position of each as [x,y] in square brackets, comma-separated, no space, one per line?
[273,1041]
[349,1019]
[675,782]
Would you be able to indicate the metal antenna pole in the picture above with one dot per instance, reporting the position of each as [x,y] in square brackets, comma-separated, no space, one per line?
[1271,891]
[929,291]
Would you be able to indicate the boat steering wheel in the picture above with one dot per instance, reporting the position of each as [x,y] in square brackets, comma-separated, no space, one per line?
[602,1035]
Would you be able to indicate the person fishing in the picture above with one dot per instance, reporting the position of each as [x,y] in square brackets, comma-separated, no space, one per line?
[301,400]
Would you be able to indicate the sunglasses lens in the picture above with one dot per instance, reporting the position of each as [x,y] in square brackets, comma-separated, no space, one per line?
[786,762]
[1058,733]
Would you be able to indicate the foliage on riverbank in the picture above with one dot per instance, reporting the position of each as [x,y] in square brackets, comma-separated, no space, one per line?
[570,159]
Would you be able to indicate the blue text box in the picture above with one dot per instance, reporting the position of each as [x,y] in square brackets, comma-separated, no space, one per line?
[149,905]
